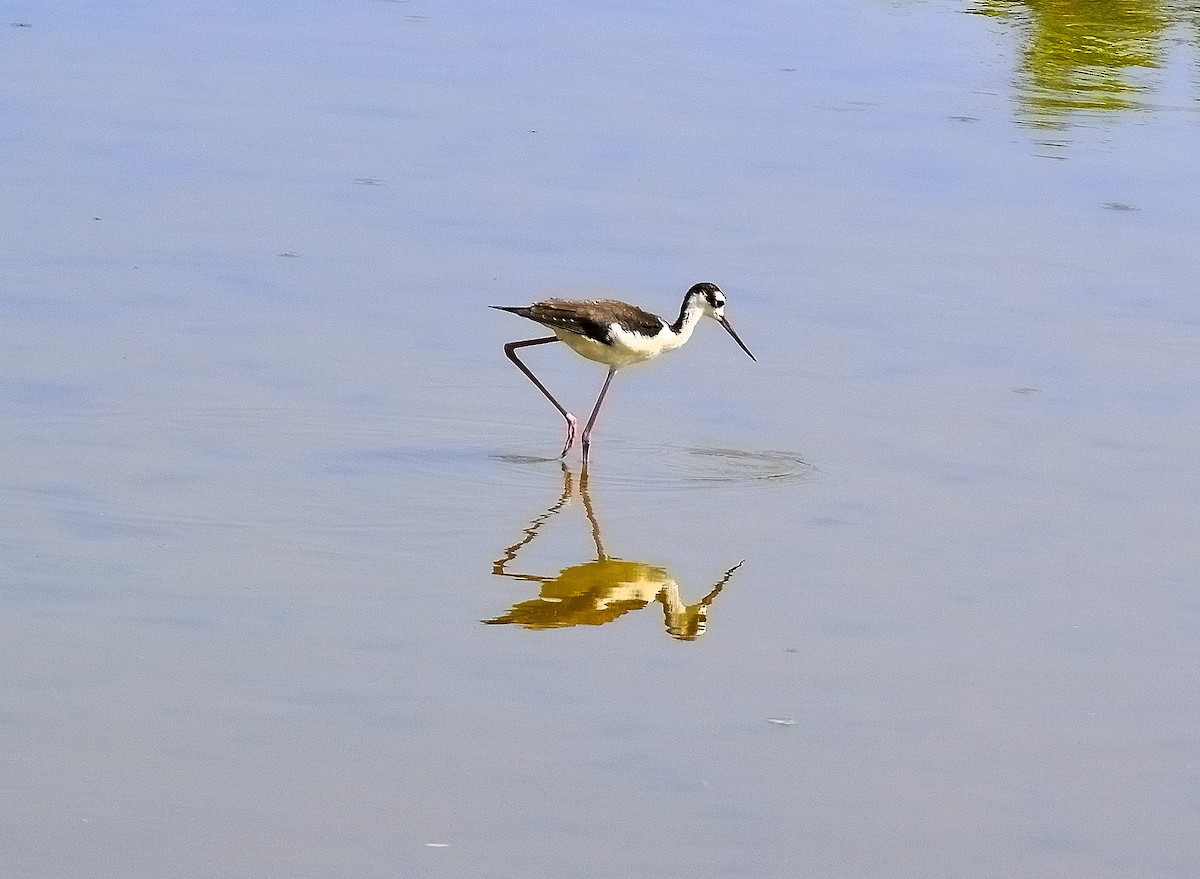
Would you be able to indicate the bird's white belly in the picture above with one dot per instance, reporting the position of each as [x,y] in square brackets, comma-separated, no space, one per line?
[627,348]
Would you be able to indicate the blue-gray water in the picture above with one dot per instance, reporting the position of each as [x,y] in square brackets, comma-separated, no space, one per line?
[262,449]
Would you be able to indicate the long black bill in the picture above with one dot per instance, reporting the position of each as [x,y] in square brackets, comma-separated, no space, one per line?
[742,344]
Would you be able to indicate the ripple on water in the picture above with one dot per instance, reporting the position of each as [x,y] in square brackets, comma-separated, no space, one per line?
[620,466]
[637,466]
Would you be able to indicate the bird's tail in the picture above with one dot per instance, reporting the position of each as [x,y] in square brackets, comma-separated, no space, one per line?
[520,310]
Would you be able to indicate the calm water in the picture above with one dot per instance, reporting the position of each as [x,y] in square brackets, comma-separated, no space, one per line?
[918,594]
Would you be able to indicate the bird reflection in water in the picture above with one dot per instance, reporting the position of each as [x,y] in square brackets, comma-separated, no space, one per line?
[599,591]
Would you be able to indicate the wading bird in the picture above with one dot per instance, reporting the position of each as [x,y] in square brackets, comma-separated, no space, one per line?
[616,334]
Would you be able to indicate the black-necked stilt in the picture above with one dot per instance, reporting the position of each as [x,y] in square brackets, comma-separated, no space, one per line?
[616,334]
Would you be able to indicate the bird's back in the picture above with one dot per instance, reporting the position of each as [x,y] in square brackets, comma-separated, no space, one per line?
[591,318]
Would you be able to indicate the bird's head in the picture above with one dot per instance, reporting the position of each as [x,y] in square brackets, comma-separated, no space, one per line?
[710,300]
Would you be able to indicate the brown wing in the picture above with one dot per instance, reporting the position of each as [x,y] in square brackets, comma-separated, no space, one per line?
[590,318]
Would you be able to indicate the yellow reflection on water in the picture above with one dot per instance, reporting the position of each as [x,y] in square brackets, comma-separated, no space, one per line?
[1086,54]
[599,591]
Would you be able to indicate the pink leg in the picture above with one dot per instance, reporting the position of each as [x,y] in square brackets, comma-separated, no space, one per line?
[587,430]
[510,351]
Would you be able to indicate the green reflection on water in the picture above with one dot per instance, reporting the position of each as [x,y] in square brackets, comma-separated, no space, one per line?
[601,590]
[1087,54]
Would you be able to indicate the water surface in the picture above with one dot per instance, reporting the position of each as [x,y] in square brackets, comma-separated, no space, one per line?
[264,453]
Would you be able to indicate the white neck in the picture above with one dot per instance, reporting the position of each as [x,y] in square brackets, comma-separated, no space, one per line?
[689,315]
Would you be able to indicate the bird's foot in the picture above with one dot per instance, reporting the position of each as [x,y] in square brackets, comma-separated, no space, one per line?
[571,422]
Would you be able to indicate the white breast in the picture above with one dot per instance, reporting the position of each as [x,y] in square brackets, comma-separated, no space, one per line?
[627,348]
